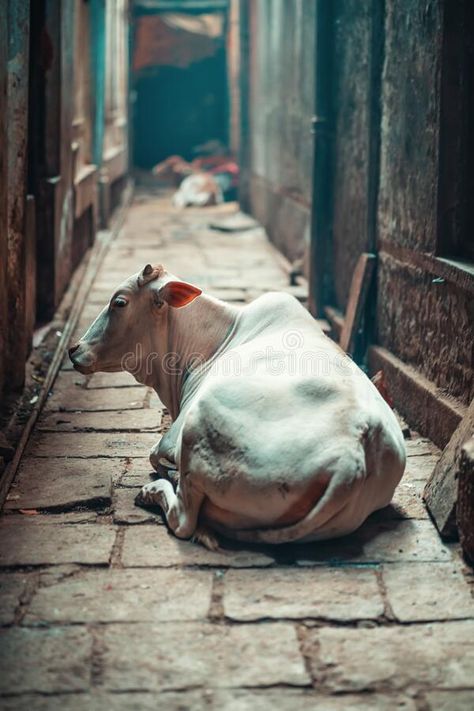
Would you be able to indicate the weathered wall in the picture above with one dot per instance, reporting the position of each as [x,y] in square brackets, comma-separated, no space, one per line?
[280,110]
[425,322]
[18,339]
[409,155]
[351,108]
[48,142]
[3,193]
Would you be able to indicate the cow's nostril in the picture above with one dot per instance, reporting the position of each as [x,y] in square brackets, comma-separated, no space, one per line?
[72,350]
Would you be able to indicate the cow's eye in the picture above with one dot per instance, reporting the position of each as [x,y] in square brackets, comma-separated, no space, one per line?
[120,302]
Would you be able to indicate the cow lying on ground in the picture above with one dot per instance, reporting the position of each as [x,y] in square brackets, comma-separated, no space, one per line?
[277,435]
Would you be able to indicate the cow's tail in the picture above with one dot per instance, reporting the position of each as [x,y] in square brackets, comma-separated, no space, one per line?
[343,490]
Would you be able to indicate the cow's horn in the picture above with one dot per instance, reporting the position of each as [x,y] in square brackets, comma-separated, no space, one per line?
[148,274]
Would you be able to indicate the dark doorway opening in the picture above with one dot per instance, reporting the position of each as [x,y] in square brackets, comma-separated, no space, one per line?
[180,84]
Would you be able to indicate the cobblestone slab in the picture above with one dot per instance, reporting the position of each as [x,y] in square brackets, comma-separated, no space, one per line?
[407,502]
[434,655]
[231,295]
[46,660]
[305,700]
[62,483]
[12,587]
[159,595]
[138,472]
[336,594]
[100,296]
[33,517]
[92,444]
[30,543]
[421,446]
[101,400]
[213,700]
[153,546]
[378,542]
[169,701]
[112,380]
[421,591]
[126,512]
[183,656]
[148,420]
[450,700]
[67,379]
[420,467]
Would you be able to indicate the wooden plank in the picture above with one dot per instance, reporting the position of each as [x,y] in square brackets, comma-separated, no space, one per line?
[359,290]
[441,491]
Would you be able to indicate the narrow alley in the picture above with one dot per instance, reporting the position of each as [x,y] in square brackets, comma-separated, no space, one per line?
[102,608]
[278,513]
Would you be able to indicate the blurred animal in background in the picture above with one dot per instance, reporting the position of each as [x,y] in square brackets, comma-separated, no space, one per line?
[209,179]
[199,190]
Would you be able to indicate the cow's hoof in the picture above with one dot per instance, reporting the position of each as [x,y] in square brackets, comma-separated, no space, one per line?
[206,538]
[154,494]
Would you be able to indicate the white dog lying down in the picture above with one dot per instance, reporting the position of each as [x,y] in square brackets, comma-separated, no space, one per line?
[277,435]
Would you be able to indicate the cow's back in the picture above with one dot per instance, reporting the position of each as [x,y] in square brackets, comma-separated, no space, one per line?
[281,412]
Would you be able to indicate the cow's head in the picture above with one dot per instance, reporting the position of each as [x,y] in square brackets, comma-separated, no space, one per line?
[132,317]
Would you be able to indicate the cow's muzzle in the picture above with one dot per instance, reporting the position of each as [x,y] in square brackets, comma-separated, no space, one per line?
[80,360]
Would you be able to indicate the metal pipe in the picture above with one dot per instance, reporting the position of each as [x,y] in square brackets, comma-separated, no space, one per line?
[321,209]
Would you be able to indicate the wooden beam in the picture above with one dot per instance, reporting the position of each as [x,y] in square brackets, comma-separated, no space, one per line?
[359,290]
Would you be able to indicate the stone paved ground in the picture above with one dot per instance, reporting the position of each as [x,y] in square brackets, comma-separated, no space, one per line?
[102,609]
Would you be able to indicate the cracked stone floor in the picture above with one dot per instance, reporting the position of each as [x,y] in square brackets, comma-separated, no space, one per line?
[102,609]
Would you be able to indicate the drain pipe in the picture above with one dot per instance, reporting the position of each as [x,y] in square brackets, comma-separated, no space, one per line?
[320,268]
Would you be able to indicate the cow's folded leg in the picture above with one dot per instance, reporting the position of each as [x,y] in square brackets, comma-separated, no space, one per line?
[155,457]
[181,510]
[157,493]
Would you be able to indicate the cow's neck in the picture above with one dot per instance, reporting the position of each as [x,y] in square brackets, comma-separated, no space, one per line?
[194,331]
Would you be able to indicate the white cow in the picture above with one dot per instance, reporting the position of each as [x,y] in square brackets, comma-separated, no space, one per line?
[277,435]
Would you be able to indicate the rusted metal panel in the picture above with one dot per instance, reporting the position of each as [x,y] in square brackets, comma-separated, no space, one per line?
[17,117]
[282,53]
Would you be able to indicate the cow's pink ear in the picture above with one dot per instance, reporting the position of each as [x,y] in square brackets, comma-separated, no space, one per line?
[179,293]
